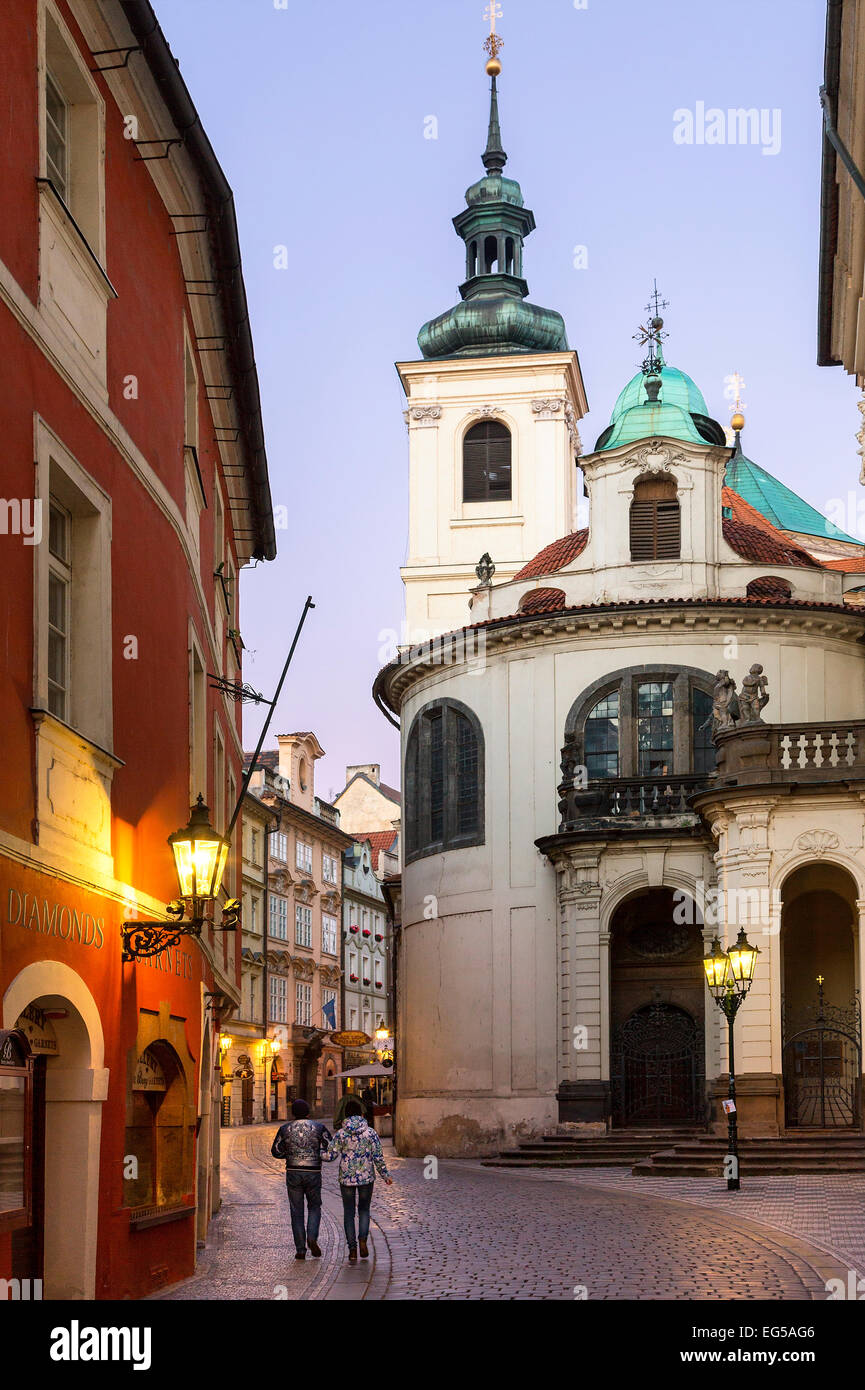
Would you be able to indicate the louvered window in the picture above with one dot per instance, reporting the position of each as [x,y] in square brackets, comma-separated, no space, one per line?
[655,520]
[444,780]
[487,463]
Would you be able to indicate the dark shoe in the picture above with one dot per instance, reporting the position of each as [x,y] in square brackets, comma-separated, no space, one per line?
[364,1252]
[314,1248]
[300,1255]
[352,1254]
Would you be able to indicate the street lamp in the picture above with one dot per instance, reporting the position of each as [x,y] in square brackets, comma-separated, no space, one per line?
[729,975]
[200,855]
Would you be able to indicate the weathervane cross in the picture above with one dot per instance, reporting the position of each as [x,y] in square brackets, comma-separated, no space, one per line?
[656,302]
[493,42]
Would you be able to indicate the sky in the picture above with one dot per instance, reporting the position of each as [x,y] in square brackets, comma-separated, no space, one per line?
[320,116]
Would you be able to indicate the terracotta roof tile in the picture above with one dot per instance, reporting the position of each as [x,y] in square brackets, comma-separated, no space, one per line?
[555,556]
[543,601]
[765,546]
[853,564]
[768,586]
[380,841]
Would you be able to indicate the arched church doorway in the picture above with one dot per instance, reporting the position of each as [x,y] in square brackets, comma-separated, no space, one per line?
[657,1020]
[820,1011]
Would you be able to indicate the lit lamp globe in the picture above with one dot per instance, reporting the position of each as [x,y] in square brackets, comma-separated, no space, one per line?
[743,961]
[200,854]
[717,967]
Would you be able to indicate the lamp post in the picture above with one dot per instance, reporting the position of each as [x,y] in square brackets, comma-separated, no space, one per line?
[268,1048]
[200,855]
[729,975]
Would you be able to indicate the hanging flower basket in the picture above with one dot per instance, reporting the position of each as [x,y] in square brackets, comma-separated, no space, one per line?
[353,979]
[353,928]
[366,979]
[366,931]
[378,936]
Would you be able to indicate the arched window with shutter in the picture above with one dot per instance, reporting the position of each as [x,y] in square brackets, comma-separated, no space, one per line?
[655,519]
[487,463]
[444,780]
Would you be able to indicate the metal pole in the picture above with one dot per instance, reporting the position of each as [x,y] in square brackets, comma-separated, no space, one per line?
[732,1118]
[262,736]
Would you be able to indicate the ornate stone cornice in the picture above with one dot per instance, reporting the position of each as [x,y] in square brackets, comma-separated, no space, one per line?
[653,458]
[423,414]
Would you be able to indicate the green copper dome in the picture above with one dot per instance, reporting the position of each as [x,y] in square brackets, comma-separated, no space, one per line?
[777,502]
[676,410]
[495,316]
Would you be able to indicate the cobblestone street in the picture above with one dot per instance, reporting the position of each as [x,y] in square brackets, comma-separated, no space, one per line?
[475,1233]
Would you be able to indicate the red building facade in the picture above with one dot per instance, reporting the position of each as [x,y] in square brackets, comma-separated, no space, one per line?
[134,488]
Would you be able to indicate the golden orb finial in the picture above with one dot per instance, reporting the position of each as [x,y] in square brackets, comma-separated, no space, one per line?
[738,421]
[493,67]
[494,42]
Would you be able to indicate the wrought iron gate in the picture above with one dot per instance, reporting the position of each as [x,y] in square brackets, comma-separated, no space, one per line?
[657,1068]
[822,1064]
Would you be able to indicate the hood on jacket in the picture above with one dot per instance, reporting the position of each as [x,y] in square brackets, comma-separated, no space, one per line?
[355,1123]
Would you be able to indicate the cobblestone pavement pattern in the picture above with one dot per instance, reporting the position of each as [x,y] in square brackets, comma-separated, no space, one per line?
[474,1233]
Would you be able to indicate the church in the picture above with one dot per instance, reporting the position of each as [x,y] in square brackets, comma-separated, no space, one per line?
[632,722]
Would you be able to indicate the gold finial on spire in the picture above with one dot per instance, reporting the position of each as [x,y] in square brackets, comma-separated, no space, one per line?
[734,385]
[493,43]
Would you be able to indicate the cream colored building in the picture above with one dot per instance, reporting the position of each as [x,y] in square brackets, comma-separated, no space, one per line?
[573,839]
[304,910]
[366,803]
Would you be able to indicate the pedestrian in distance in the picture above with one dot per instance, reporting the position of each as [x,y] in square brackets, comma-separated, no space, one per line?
[367,1096]
[339,1113]
[301,1142]
[358,1149]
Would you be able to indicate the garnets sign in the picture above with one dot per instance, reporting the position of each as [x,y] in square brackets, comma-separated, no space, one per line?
[349,1039]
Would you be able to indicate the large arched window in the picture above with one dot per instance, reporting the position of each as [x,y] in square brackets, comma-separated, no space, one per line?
[487,463]
[444,780]
[649,723]
[655,519]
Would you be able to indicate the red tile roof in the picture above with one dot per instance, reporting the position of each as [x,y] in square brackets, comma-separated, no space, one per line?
[380,841]
[765,546]
[768,586]
[555,556]
[853,564]
[542,601]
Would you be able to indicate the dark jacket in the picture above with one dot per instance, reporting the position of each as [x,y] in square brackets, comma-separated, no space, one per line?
[300,1143]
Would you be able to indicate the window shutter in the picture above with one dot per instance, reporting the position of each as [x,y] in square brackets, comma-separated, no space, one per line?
[487,463]
[667,538]
[655,527]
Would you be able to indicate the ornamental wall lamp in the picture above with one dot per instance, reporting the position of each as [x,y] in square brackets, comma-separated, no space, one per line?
[729,975]
[224,1043]
[200,855]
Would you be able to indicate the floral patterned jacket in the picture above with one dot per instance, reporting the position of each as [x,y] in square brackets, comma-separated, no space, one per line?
[358,1149]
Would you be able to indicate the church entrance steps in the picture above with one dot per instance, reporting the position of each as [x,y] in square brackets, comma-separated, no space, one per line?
[618,1149]
[818,1151]
[690,1153]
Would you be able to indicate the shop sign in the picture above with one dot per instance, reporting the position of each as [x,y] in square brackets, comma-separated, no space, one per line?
[54,919]
[13,1049]
[149,1075]
[38,1030]
[349,1039]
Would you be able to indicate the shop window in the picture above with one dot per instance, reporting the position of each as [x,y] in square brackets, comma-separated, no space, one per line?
[158,1136]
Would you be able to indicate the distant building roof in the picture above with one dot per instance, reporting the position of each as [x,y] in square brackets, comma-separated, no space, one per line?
[390,793]
[380,841]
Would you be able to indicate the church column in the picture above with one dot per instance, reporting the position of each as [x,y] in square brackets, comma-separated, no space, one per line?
[583,1087]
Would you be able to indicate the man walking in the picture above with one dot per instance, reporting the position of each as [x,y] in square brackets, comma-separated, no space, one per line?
[358,1149]
[301,1143]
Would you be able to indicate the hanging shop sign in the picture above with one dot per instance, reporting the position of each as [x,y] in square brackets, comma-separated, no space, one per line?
[149,1075]
[38,1029]
[13,1048]
[349,1039]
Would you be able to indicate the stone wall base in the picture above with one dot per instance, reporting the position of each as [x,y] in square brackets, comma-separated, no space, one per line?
[759,1104]
[469,1126]
[585,1103]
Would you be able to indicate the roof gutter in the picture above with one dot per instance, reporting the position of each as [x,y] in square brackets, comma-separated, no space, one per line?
[829,187]
[220,205]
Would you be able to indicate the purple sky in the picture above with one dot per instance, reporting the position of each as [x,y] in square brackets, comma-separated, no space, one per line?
[317,114]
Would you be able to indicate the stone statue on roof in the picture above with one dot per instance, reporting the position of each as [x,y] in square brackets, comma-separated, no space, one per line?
[754,696]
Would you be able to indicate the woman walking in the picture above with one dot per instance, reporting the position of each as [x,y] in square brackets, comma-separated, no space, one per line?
[358,1149]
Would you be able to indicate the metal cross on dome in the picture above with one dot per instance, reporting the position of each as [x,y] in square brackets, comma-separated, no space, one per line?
[651,334]
[493,42]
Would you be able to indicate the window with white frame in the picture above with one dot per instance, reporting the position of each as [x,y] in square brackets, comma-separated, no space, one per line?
[59,604]
[303,1003]
[253,913]
[329,868]
[366,1022]
[352,966]
[352,1016]
[279,917]
[365,975]
[278,999]
[72,126]
[303,925]
[73,639]
[303,857]
[378,971]
[279,847]
[328,996]
[328,934]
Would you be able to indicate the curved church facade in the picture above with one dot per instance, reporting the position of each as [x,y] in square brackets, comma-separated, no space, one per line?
[586,807]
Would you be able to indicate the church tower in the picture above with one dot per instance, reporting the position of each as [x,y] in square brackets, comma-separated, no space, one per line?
[492,410]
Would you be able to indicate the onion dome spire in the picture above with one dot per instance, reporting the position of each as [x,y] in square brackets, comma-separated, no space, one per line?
[494,316]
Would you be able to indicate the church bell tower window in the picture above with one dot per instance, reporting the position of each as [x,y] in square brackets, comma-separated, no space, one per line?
[655,520]
[487,463]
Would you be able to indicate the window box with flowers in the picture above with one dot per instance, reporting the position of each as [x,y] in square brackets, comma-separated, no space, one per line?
[353,979]
[366,931]
[379,985]
[378,936]
[353,928]
[366,979]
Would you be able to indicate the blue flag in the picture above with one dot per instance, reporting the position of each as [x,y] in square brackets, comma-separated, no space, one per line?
[329,1012]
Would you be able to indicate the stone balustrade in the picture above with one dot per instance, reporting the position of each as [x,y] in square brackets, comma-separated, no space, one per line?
[784,753]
